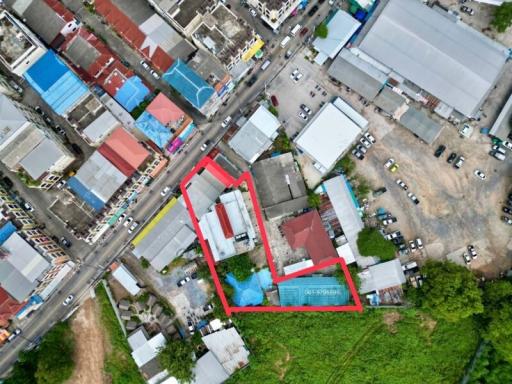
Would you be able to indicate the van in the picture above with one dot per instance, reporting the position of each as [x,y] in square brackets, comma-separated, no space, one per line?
[285,41]
[265,65]
[295,30]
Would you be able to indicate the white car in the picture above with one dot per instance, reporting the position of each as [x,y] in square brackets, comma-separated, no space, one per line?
[369,137]
[365,142]
[68,300]
[402,184]
[305,108]
[145,65]
[303,116]
[121,218]
[165,191]
[419,243]
[133,226]
[128,221]
[478,173]
[226,122]
[155,74]
[294,73]
[507,144]
[253,13]
[389,163]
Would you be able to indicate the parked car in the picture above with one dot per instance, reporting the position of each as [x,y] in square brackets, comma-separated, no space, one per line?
[507,144]
[68,300]
[303,31]
[303,116]
[253,12]
[226,122]
[305,108]
[497,155]
[467,10]
[28,207]
[313,10]
[419,243]
[466,257]
[389,220]
[252,80]
[16,87]
[389,163]
[128,222]
[452,157]
[165,191]
[459,162]
[507,210]
[76,148]
[134,225]
[14,334]
[365,142]
[297,77]
[205,145]
[478,173]
[274,101]
[183,281]
[499,148]
[412,245]
[370,138]
[413,197]
[506,220]
[155,74]
[379,191]
[402,184]
[472,251]
[393,235]
[361,149]
[144,65]
[394,168]
[121,218]
[359,155]
[207,307]
[8,182]
[439,151]
[65,242]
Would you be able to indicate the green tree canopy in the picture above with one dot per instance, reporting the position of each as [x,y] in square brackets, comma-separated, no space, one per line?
[321,30]
[370,242]
[450,291]
[176,357]
[502,17]
[24,370]
[498,315]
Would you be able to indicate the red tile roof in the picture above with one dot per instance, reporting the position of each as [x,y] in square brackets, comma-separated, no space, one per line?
[130,31]
[224,221]
[307,231]
[8,307]
[124,151]
[164,110]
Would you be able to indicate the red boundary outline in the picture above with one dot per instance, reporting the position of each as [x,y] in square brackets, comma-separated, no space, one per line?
[215,169]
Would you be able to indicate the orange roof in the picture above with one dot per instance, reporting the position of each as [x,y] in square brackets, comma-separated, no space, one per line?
[8,307]
[164,110]
[124,151]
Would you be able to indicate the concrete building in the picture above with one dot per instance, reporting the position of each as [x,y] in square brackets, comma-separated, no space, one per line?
[256,135]
[342,27]
[28,145]
[274,12]
[280,186]
[19,48]
[228,228]
[454,66]
[330,134]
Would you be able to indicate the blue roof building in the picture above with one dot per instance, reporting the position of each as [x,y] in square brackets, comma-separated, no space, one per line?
[189,84]
[59,87]
[314,291]
[6,231]
[86,195]
[132,93]
[153,129]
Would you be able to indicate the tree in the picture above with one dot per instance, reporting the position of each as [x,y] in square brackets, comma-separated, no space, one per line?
[240,266]
[313,199]
[370,242]
[55,356]
[502,17]
[347,165]
[24,369]
[498,316]
[176,356]
[450,292]
[321,30]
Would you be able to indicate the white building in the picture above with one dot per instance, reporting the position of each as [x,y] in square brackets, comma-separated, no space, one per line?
[126,279]
[19,47]
[274,12]
[330,134]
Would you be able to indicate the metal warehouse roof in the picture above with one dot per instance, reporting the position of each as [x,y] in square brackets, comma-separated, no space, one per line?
[341,28]
[382,276]
[501,127]
[126,279]
[328,135]
[421,125]
[256,135]
[53,80]
[362,77]
[100,176]
[389,101]
[132,93]
[42,158]
[447,58]
[208,370]
[228,348]
[188,83]
[153,129]
[316,291]
[99,129]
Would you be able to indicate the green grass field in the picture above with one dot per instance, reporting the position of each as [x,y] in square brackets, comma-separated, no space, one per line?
[119,364]
[378,347]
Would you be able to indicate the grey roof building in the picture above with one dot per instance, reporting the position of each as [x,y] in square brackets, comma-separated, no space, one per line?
[451,61]
[280,186]
[389,101]
[208,370]
[228,348]
[421,125]
[502,127]
[47,155]
[382,276]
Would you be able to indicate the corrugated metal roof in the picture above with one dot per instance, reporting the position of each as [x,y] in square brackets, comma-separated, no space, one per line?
[25,258]
[42,158]
[447,58]
[126,279]
[501,127]
[153,129]
[421,125]
[208,370]
[90,198]
[164,110]
[228,348]
[389,101]
[132,93]
[99,129]
[382,276]
[315,291]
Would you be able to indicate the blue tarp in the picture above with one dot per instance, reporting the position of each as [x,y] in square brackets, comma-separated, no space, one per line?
[247,292]
[188,83]
[153,129]
[59,87]
[315,291]
[6,231]
[132,93]
[89,197]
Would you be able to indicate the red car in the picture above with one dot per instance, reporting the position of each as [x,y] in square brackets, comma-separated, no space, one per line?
[303,31]
[275,103]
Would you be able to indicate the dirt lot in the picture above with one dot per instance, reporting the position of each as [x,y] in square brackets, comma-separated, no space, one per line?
[90,349]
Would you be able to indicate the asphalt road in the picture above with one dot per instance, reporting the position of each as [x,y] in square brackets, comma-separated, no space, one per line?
[96,258]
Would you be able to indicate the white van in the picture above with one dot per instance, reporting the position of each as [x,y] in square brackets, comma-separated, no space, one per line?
[295,30]
[285,41]
[265,65]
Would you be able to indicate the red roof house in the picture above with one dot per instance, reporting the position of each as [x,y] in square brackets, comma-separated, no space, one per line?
[164,110]
[124,151]
[224,221]
[307,231]
[8,307]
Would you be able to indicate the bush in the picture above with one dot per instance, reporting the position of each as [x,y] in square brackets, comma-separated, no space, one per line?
[321,30]
[176,357]
[370,242]
[282,143]
[273,110]
[362,188]
[502,17]
[347,165]
[144,263]
[313,199]
[240,266]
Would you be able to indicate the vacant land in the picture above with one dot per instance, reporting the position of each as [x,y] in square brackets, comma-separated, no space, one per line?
[89,350]
[119,365]
[389,347]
